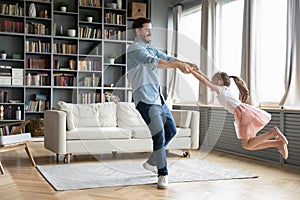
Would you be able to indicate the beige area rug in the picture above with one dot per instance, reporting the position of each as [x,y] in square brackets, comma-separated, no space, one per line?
[124,173]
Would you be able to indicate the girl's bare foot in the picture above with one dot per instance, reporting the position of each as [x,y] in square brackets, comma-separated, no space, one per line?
[283,150]
[279,135]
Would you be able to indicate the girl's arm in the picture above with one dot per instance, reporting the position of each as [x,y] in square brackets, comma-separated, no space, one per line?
[203,79]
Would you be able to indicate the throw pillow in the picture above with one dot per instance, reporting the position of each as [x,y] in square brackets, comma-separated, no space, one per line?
[107,114]
[129,116]
[84,115]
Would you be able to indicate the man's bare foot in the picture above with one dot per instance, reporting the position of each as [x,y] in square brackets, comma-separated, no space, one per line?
[283,150]
[279,135]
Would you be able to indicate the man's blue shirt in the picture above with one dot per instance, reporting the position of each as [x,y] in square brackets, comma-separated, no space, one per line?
[142,62]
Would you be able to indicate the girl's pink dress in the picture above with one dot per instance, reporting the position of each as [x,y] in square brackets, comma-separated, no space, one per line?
[249,120]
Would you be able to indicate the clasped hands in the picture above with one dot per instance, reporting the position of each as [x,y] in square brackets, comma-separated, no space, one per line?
[187,68]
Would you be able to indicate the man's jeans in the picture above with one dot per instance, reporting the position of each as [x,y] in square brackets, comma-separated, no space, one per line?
[163,128]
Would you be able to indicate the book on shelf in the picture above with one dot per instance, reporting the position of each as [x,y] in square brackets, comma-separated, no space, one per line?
[65,48]
[94,3]
[3,96]
[114,18]
[89,32]
[37,47]
[89,97]
[89,65]
[64,79]
[4,130]
[91,81]
[36,28]
[37,63]
[11,9]
[11,26]
[113,34]
[37,105]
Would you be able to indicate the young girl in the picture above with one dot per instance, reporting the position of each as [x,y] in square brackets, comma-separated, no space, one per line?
[248,119]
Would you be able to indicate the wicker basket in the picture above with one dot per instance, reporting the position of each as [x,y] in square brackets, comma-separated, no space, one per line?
[36,127]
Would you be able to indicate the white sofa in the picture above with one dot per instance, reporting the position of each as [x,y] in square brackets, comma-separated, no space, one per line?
[109,127]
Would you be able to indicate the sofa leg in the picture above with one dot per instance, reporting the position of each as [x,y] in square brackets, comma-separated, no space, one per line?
[57,157]
[114,153]
[67,158]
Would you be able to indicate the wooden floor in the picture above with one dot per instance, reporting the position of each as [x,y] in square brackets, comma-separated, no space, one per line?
[22,181]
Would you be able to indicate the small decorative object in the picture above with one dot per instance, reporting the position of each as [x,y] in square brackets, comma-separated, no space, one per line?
[3,54]
[43,14]
[137,9]
[71,32]
[32,10]
[119,4]
[28,79]
[89,16]
[18,114]
[111,56]
[63,6]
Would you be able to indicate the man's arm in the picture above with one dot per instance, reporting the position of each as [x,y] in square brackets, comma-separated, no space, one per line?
[182,66]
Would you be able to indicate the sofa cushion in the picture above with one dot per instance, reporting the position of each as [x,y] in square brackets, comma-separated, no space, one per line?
[94,133]
[140,132]
[81,115]
[107,114]
[182,118]
[129,116]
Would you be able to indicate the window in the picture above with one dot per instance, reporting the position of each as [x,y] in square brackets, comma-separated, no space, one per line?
[229,32]
[229,29]
[271,49]
[187,89]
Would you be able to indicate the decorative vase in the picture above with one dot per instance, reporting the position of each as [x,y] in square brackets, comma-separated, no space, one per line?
[119,4]
[32,10]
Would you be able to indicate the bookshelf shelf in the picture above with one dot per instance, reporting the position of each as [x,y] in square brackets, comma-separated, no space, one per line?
[63,68]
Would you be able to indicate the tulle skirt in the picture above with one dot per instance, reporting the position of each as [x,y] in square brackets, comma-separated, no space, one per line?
[249,120]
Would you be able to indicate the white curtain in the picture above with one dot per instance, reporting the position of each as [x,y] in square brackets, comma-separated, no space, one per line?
[292,74]
[173,74]
[249,49]
[207,48]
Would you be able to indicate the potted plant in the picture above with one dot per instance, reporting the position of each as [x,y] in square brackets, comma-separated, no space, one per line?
[111,56]
[63,6]
[89,16]
[3,54]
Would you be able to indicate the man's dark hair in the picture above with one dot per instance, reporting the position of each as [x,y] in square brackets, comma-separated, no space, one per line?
[138,23]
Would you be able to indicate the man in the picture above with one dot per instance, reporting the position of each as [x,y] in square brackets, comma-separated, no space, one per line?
[143,63]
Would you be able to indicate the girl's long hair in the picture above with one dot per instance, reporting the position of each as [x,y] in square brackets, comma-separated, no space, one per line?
[244,91]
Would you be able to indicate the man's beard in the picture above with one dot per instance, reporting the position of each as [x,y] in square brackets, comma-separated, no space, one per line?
[148,39]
